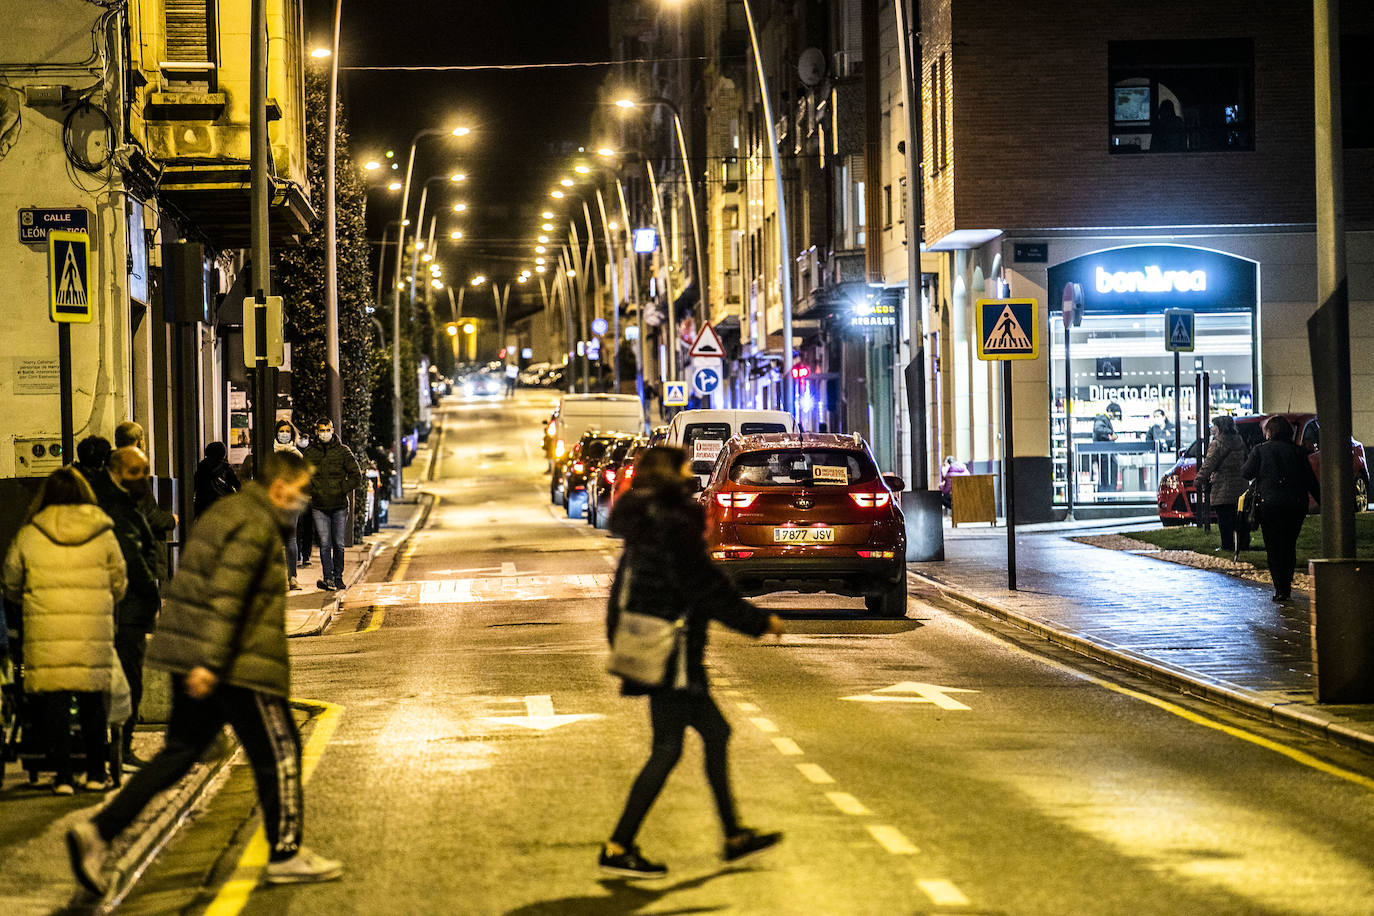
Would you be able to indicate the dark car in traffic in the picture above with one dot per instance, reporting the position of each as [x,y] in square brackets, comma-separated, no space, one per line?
[808,512]
[1177,497]
[587,452]
[601,481]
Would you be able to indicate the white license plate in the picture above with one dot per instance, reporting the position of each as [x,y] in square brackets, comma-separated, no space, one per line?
[803,535]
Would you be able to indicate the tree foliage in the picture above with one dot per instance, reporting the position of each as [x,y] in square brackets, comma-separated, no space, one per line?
[301,278]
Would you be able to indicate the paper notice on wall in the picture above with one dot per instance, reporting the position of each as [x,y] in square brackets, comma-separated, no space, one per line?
[706,449]
[33,375]
[830,475]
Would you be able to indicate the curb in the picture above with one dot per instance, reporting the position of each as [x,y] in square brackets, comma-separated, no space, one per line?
[1287,714]
[335,603]
[182,800]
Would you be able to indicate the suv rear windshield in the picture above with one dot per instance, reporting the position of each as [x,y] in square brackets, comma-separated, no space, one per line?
[753,429]
[593,449]
[797,467]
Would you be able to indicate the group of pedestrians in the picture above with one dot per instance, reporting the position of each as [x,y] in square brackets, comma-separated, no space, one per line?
[1278,477]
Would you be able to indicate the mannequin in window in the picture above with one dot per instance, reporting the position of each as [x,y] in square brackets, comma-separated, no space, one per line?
[1168,134]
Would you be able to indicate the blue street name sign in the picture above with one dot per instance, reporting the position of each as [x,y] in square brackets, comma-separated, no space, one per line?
[35,224]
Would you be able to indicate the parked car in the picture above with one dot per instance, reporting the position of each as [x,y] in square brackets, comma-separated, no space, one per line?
[701,433]
[603,476]
[1177,496]
[586,452]
[808,512]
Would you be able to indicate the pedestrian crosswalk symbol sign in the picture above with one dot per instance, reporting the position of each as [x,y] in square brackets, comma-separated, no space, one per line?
[1008,329]
[1179,325]
[69,277]
[674,394]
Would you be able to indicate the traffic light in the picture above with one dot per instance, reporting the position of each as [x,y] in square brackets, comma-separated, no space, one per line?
[800,371]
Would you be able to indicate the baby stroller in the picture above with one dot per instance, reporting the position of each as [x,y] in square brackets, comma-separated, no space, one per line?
[22,738]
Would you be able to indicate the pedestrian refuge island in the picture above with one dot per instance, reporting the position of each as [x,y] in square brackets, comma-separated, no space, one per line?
[972,500]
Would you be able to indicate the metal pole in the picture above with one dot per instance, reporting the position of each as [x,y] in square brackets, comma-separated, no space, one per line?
[397,484]
[1008,474]
[64,384]
[264,399]
[415,248]
[667,276]
[1178,404]
[784,262]
[702,281]
[615,291]
[633,260]
[331,243]
[1329,327]
[1070,471]
[920,473]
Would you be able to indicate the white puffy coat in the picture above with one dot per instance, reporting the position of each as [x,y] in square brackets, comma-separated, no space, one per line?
[66,567]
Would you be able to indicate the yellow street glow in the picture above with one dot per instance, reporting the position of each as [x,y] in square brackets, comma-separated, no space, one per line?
[582,169]
[521,279]
[457,176]
[556,195]
[459,208]
[540,269]
[540,249]
[539,260]
[372,165]
[394,186]
[452,330]
[547,227]
[566,182]
[572,273]
[625,103]
[468,329]
[478,280]
[543,239]
[461,131]
[437,284]
[321,52]
[614,225]
[455,235]
[606,151]
[547,214]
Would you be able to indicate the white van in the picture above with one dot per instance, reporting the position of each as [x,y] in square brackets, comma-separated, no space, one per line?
[702,433]
[577,413]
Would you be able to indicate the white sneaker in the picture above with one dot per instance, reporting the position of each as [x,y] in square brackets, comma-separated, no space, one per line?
[99,785]
[64,788]
[304,867]
[87,851]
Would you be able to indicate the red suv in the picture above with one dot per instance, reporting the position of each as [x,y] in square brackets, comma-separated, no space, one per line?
[808,512]
[1177,497]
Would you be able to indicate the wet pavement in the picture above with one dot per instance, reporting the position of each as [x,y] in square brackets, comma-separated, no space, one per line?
[1218,632]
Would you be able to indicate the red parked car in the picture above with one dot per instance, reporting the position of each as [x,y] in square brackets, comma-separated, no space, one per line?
[808,512]
[1177,496]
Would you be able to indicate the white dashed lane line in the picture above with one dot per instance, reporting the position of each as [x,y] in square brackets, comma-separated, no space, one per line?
[942,892]
[745,706]
[764,725]
[787,747]
[815,773]
[893,840]
[848,804]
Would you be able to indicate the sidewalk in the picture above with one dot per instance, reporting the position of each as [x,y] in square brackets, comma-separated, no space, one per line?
[1205,633]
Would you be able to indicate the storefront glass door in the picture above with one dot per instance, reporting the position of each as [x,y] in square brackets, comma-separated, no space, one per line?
[1120,379]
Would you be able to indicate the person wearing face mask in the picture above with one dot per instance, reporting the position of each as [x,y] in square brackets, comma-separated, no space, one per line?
[118,492]
[336,475]
[222,638]
[286,442]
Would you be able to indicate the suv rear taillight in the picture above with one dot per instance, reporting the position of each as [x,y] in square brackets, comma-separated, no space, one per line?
[871,500]
[731,554]
[578,467]
[736,500]
[609,475]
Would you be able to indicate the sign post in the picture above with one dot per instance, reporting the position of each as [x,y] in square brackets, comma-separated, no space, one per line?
[1180,327]
[1008,329]
[69,302]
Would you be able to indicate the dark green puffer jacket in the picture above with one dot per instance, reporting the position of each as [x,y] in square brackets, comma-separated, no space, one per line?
[226,607]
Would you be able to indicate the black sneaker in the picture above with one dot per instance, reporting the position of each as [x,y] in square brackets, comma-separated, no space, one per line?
[630,864]
[339,586]
[748,843]
[323,585]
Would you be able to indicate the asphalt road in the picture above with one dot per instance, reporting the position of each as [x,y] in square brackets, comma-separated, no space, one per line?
[472,753]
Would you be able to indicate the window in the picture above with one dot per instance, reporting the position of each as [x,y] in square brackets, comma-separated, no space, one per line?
[943,124]
[1181,96]
[887,206]
[796,468]
[1357,93]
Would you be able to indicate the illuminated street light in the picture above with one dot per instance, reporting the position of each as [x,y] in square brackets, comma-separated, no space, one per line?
[321,53]
[571,273]
[540,269]
[521,279]
[452,330]
[547,214]
[606,152]
[469,329]
[566,182]
[582,169]
[556,195]
[455,235]
[457,176]
[543,239]
[613,225]
[478,280]
[394,186]
[372,165]
[427,258]
[540,261]
[461,131]
[540,249]
[391,154]
[459,208]
[625,103]
[437,284]
[547,227]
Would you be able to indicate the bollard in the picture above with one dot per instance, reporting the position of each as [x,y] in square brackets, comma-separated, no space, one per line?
[1342,611]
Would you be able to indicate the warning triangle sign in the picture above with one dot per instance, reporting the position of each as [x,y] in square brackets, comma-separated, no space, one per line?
[1007,333]
[708,343]
[1180,335]
[71,287]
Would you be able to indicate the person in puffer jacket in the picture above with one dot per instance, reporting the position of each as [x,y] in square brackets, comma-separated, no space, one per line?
[1221,475]
[66,567]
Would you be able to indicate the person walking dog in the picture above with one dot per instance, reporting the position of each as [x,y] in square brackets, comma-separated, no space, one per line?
[666,573]
[336,475]
[222,637]
[1282,477]
[66,567]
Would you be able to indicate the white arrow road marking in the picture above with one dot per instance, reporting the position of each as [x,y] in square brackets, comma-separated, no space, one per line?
[913,692]
[539,715]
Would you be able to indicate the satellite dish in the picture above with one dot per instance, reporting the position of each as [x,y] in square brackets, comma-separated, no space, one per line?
[811,66]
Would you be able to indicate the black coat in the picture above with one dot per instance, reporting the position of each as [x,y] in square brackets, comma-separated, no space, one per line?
[336,474]
[214,479]
[1282,475]
[671,574]
[137,611]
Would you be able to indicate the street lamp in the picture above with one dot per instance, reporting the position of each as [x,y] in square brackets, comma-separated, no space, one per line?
[702,280]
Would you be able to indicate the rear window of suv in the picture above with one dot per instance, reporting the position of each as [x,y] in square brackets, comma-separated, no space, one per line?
[593,449]
[803,467]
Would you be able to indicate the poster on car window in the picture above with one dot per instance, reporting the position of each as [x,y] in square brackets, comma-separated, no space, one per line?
[831,476]
[706,450]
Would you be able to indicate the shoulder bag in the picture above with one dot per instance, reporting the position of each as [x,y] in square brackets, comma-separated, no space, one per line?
[644,644]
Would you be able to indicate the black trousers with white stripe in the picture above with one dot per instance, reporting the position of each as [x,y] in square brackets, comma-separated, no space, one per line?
[264,727]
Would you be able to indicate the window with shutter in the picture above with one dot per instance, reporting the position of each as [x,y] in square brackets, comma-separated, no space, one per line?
[191,51]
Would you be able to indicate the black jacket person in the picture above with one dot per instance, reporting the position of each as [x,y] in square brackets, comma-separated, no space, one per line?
[670,575]
[136,613]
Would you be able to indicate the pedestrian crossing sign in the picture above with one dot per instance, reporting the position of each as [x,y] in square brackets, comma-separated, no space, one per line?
[69,277]
[674,394]
[1008,329]
[1179,325]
